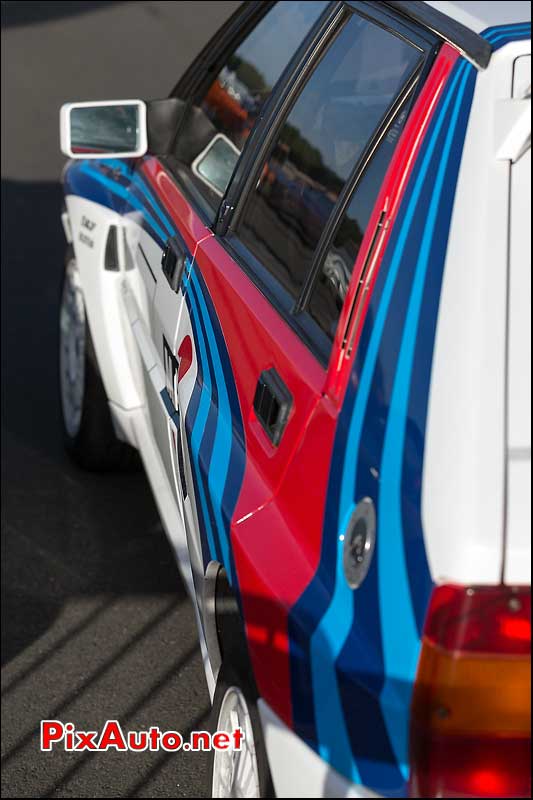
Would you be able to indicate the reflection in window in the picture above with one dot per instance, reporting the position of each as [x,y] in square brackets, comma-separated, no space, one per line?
[319,146]
[104,129]
[215,131]
[330,290]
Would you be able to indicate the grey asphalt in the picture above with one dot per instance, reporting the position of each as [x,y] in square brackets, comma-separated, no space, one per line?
[95,620]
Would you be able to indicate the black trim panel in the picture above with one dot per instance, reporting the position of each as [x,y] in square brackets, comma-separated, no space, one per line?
[470,43]
[145,259]
[272,404]
[287,89]
[206,63]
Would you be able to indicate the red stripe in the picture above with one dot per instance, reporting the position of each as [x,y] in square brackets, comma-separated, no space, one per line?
[389,199]
[182,214]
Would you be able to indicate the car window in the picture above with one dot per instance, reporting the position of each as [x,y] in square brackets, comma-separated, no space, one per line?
[330,289]
[319,145]
[218,124]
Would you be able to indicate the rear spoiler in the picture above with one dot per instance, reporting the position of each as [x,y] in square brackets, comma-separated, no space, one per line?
[471,45]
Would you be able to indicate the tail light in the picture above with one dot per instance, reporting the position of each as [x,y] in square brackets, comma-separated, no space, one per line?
[471,712]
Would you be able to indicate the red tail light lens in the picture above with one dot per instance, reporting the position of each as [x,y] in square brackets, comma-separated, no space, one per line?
[489,619]
[471,713]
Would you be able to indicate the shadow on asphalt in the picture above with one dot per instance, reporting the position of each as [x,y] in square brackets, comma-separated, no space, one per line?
[66,531]
[33,246]
[15,13]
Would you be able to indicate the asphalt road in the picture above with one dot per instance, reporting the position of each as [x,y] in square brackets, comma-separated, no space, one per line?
[95,620]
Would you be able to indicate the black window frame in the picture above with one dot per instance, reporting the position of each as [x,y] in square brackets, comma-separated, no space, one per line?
[197,79]
[276,112]
[212,57]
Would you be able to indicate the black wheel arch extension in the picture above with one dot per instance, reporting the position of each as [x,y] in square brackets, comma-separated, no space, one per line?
[223,624]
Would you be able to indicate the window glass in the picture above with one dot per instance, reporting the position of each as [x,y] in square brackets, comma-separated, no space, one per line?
[216,129]
[330,289]
[319,146]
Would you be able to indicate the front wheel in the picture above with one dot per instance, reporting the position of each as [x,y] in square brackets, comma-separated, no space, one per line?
[87,426]
[244,772]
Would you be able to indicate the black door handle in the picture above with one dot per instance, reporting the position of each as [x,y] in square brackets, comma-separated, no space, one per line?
[272,404]
[173,262]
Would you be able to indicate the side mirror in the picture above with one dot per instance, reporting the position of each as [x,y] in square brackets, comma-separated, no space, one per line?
[108,129]
[214,165]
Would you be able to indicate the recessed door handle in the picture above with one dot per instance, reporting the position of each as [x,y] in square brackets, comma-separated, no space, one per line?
[272,404]
[173,262]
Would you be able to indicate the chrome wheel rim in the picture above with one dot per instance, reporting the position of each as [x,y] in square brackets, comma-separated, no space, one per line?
[235,772]
[72,337]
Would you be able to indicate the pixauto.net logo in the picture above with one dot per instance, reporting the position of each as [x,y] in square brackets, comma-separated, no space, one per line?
[111,737]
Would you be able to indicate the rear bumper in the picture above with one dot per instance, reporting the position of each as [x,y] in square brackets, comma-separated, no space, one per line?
[297,771]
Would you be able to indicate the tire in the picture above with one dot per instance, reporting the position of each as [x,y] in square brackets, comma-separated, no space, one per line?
[88,431]
[234,692]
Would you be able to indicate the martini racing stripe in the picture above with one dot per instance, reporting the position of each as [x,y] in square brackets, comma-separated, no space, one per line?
[380,633]
[396,442]
[214,424]
[203,510]
[500,35]
[404,580]
[140,188]
[131,202]
[196,423]
[98,181]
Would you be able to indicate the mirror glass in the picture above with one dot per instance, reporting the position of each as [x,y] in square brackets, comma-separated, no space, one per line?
[215,165]
[104,129]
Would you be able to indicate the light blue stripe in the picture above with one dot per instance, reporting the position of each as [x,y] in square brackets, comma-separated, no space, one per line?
[333,738]
[121,191]
[331,634]
[401,641]
[201,417]
[220,457]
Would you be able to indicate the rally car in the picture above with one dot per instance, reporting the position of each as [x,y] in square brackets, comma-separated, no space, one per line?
[299,289]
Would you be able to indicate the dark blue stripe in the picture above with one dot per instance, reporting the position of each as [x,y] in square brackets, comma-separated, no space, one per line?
[419,577]
[238,452]
[169,405]
[500,35]
[196,434]
[190,419]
